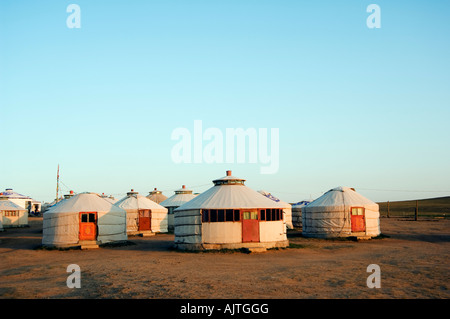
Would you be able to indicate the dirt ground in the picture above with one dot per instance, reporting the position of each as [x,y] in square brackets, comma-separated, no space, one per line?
[414,263]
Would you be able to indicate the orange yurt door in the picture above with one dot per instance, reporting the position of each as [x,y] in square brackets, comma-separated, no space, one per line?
[250,227]
[144,219]
[88,226]
[358,222]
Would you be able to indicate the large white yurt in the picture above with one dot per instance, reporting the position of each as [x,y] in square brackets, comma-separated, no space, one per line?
[341,212]
[287,210]
[230,215]
[156,196]
[297,212]
[12,215]
[144,216]
[82,219]
[181,196]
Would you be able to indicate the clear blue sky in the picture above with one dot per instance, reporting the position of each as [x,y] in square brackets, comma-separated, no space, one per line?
[358,107]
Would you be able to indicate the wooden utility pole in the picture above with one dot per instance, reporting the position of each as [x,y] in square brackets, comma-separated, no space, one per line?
[416,215]
[388,209]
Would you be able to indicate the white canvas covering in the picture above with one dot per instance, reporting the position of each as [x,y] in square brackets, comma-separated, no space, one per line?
[297,213]
[330,214]
[181,196]
[12,215]
[132,203]
[61,221]
[191,231]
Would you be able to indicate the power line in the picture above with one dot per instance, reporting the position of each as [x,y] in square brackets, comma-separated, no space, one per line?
[399,190]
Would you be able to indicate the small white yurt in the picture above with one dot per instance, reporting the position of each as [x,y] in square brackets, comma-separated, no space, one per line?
[156,196]
[287,210]
[82,219]
[24,201]
[12,215]
[181,196]
[230,215]
[341,212]
[143,215]
[297,212]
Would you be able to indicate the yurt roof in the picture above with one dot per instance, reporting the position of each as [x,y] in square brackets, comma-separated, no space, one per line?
[12,194]
[156,196]
[183,190]
[136,201]
[340,197]
[177,200]
[227,196]
[275,199]
[155,192]
[84,202]
[8,205]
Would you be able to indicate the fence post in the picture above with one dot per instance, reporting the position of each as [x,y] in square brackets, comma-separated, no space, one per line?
[416,214]
[388,209]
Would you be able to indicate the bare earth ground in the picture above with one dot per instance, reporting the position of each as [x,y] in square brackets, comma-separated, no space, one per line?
[414,263]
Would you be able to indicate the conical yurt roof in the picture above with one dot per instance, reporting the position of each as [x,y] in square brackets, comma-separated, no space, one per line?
[339,198]
[8,205]
[181,196]
[84,202]
[135,201]
[156,196]
[229,192]
[9,193]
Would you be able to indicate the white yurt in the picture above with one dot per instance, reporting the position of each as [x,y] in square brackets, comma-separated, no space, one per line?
[156,196]
[12,215]
[230,215]
[341,212]
[24,201]
[297,212]
[143,215]
[82,219]
[181,196]
[287,210]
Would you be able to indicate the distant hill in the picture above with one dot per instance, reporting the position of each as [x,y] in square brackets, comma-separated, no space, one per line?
[431,207]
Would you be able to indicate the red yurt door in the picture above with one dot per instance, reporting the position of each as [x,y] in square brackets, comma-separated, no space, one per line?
[358,223]
[88,226]
[250,227]
[144,219]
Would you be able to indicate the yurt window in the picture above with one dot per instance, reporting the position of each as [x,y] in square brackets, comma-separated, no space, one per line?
[213,215]
[220,215]
[205,216]
[357,211]
[271,214]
